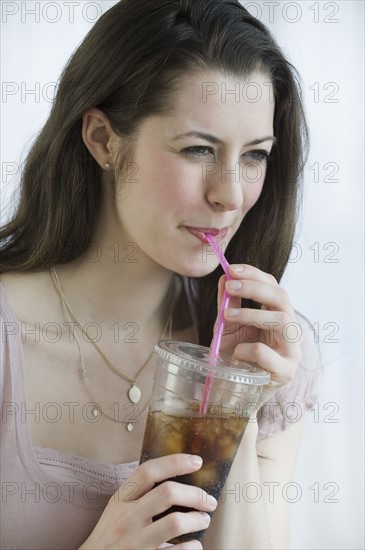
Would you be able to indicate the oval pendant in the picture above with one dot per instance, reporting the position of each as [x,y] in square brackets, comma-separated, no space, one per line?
[134,394]
[129,427]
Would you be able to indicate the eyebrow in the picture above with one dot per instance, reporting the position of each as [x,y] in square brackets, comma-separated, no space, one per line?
[215,140]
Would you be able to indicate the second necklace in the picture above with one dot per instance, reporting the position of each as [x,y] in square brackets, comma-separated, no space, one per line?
[134,393]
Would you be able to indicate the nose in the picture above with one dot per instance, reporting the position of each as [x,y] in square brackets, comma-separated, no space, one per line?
[224,186]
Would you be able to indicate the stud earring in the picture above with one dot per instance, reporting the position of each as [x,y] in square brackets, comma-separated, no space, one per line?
[107,166]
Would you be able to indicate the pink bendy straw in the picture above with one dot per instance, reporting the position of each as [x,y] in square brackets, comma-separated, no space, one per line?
[219,326]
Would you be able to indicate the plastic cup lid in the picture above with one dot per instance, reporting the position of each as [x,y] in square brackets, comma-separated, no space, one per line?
[196,358]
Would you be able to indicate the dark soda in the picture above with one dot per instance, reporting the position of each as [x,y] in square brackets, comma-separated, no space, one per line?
[214,437]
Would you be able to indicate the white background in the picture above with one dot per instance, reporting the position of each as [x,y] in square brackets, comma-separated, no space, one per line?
[325,41]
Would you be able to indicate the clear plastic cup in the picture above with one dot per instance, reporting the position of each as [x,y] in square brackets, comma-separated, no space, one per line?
[176,424]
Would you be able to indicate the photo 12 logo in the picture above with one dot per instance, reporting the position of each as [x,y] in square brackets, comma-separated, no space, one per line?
[53,12]
[293,12]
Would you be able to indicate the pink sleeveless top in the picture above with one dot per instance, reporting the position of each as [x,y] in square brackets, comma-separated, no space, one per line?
[52,500]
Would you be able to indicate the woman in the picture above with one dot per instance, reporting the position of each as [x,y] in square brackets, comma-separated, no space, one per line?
[146,146]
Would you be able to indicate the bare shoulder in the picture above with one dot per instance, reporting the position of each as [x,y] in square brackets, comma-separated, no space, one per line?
[30,294]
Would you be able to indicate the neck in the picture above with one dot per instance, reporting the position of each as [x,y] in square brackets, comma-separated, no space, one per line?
[114,280]
[108,290]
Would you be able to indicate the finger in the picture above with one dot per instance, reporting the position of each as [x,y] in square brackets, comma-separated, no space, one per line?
[170,493]
[166,495]
[270,296]
[282,370]
[245,271]
[191,545]
[234,302]
[174,525]
[280,329]
[156,470]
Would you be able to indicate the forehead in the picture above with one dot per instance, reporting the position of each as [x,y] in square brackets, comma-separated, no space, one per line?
[224,104]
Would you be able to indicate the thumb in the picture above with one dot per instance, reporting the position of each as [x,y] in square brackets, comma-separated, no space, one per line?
[234,302]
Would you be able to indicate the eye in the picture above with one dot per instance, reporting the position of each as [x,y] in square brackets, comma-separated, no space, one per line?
[198,151]
[257,155]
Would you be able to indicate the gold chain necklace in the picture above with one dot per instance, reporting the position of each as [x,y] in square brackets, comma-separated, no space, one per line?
[134,393]
[97,410]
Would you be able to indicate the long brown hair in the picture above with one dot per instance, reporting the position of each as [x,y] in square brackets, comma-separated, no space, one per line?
[129,65]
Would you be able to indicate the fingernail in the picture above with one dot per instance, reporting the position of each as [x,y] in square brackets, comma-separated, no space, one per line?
[237,268]
[196,460]
[233,285]
[212,501]
[206,517]
[230,312]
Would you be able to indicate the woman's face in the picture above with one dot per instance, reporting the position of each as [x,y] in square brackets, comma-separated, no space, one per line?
[202,167]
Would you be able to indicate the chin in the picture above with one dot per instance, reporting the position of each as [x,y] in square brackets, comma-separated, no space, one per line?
[200,270]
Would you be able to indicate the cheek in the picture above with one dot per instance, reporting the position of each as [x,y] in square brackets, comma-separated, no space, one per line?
[173,181]
[158,179]
[254,177]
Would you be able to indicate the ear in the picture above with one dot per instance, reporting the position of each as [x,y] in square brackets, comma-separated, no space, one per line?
[98,136]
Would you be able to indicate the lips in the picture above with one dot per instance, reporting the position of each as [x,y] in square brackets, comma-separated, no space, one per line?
[199,232]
